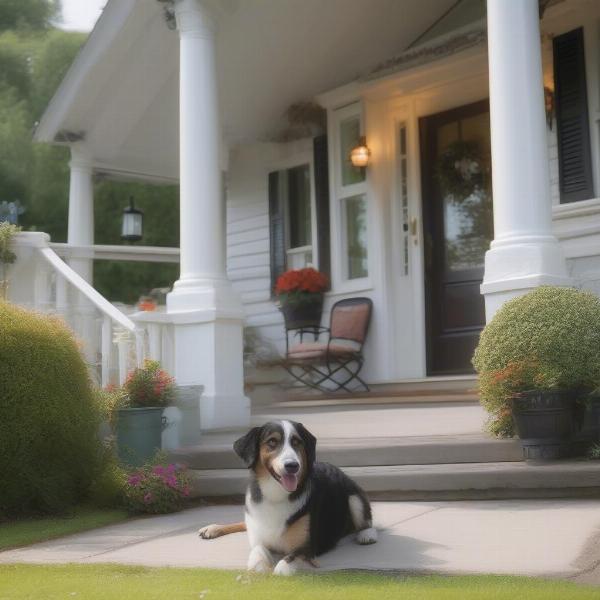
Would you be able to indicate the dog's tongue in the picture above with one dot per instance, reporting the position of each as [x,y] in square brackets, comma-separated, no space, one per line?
[289,482]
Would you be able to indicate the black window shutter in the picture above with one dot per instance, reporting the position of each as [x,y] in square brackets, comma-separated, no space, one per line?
[321,168]
[276,230]
[574,159]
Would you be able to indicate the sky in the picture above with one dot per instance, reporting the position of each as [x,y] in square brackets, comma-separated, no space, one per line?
[80,15]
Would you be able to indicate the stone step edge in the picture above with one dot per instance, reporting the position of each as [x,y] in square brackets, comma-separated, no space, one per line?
[391,451]
[431,478]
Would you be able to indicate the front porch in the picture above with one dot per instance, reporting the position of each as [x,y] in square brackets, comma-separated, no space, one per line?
[369,229]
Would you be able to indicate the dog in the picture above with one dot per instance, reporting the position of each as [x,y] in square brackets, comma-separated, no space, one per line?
[296,508]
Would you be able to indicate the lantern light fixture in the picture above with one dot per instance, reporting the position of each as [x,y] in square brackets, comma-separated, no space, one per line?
[133,223]
[360,154]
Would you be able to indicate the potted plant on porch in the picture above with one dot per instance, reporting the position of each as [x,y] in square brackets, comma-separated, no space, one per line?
[537,361]
[300,293]
[139,418]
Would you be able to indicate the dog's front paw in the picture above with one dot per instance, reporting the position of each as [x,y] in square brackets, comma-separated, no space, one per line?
[366,536]
[283,567]
[260,560]
[210,532]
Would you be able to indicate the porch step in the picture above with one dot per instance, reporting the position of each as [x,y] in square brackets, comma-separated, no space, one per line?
[365,452]
[442,481]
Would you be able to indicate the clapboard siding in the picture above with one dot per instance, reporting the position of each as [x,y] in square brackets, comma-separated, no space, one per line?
[248,240]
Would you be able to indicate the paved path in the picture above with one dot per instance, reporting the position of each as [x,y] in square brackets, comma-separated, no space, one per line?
[534,537]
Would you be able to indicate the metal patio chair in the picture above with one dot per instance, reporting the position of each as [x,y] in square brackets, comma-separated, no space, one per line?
[335,363]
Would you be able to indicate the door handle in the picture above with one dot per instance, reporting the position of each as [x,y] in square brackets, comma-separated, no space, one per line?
[413,226]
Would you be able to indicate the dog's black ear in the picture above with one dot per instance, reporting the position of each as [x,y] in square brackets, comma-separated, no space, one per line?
[247,446]
[310,443]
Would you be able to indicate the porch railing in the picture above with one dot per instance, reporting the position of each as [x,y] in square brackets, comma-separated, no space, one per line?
[113,342]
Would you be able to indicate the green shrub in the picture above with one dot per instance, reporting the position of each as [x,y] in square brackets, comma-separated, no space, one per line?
[548,339]
[49,444]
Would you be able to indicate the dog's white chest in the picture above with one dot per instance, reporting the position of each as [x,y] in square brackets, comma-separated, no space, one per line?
[266,521]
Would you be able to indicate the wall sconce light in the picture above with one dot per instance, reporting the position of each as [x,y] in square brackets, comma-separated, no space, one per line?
[549,105]
[133,221]
[360,154]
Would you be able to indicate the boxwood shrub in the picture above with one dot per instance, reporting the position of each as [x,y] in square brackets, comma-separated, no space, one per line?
[558,328]
[49,444]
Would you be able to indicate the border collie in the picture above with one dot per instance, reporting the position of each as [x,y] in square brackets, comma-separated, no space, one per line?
[296,508]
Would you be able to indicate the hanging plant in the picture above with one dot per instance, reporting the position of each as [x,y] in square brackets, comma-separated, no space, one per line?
[7,256]
[461,170]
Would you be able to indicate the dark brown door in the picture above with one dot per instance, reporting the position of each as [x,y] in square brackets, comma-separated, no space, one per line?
[458,227]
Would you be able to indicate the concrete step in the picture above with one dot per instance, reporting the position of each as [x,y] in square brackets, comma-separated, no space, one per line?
[442,481]
[363,452]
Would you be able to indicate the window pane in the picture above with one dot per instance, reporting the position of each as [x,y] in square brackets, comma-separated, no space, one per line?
[349,136]
[299,209]
[356,236]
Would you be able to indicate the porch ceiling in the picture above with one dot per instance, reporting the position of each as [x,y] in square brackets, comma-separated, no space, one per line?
[122,91]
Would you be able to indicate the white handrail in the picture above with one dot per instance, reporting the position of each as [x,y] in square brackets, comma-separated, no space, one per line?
[156,254]
[97,299]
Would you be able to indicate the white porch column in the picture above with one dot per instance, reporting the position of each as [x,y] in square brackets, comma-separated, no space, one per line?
[81,210]
[206,312]
[524,254]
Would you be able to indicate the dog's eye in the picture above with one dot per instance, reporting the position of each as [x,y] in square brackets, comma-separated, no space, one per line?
[296,442]
[272,443]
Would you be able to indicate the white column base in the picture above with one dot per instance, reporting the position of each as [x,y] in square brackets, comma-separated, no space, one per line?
[516,266]
[208,351]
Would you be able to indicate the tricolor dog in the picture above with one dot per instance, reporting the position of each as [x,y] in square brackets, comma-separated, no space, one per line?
[296,508]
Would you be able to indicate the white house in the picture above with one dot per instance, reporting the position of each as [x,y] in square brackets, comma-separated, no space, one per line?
[201,92]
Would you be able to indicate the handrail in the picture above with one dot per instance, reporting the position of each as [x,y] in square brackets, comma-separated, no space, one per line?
[115,252]
[97,299]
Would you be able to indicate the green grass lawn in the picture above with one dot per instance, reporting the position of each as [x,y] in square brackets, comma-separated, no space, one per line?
[117,582]
[29,531]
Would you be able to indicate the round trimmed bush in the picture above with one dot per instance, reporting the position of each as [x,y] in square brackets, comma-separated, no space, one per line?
[552,334]
[49,445]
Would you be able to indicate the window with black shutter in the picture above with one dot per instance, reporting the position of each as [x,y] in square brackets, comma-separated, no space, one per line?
[295,220]
[574,158]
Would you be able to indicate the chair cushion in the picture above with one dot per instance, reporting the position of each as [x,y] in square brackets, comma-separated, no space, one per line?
[318,350]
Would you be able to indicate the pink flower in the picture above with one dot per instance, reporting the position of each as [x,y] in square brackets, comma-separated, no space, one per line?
[134,480]
[171,481]
[148,498]
[158,470]
[186,490]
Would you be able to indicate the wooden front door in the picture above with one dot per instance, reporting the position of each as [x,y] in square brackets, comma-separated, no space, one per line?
[458,228]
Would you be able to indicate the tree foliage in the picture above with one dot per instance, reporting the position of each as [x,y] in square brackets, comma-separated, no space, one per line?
[28,14]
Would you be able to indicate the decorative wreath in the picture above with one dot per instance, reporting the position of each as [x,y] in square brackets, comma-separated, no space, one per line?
[461,170]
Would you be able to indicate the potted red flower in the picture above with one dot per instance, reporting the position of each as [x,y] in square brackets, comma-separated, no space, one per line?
[139,423]
[300,294]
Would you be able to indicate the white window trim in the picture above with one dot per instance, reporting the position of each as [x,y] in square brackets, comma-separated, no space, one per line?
[339,265]
[299,160]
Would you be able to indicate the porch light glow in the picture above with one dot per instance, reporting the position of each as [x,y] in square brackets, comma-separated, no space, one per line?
[360,154]
[132,226]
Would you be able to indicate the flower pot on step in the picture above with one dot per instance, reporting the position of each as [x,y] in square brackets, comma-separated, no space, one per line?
[139,432]
[544,421]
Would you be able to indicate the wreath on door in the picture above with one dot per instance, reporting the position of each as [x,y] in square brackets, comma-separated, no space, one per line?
[461,170]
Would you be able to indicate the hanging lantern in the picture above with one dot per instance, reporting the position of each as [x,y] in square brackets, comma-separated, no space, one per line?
[133,220]
[360,154]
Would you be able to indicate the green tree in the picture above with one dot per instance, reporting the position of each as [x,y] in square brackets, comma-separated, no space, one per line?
[28,14]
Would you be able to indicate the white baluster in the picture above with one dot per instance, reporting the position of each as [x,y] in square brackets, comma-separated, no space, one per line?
[107,343]
[123,342]
[139,347]
[154,341]
[62,297]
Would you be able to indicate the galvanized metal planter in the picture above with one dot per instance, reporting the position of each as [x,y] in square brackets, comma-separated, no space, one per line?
[139,432]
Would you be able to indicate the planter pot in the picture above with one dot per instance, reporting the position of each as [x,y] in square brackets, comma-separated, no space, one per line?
[139,432]
[305,313]
[594,418]
[544,422]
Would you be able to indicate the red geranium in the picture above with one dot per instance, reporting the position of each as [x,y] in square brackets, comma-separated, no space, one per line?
[306,280]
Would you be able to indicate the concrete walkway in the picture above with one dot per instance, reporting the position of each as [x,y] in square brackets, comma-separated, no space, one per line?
[555,538]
